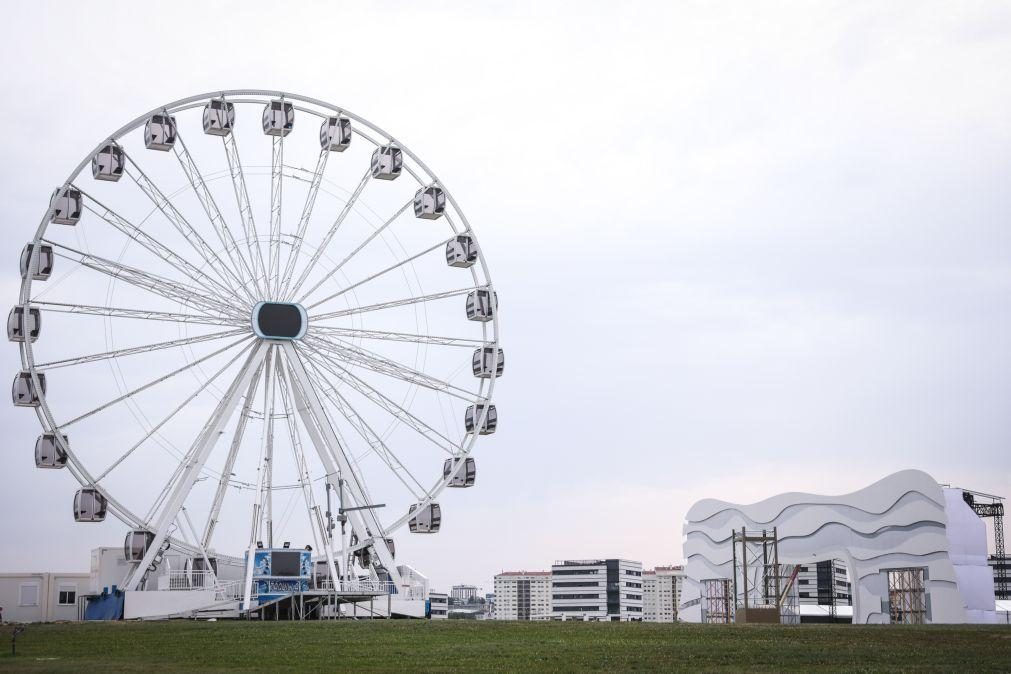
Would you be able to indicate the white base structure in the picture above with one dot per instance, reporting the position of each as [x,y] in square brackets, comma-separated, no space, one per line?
[904,521]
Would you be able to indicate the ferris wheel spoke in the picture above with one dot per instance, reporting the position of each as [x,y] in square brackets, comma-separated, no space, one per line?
[382,272]
[153,382]
[245,211]
[391,304]
[304,478]
[362,333]
[233,451]
[383,402]
[392,368]
[173,413]
[148,242]
[141,314]
[371,438]
[276,194]
[332,455]
[133,350]
[330,234]
[232,282]
[303,222]
[210,206]
[196,458]
[153,283]
[263,507]
[378,230]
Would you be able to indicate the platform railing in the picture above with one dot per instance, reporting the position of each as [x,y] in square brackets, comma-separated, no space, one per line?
[353,586]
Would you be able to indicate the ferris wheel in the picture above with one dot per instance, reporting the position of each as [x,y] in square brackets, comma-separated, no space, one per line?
[231,337]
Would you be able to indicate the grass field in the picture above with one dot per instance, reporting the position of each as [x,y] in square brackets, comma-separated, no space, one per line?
[475,646]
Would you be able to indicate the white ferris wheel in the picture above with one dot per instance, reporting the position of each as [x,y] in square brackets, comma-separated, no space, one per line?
[242,319]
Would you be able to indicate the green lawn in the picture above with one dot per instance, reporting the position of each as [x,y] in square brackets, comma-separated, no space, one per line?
[472,646]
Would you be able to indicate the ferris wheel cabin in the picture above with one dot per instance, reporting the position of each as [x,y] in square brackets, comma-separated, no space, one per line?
[461,251]
[486,359]
[39,264]
[160,133]
[18,327]
[481,305]
[364,555]
[219,117]
[23,392]
[387,162]
[475,412]
[429,203]
[335,134]
[66,205]
[108,163]
[136,545]
[90,505]
[278,118]
[467,474]
[48,453]
[426,520]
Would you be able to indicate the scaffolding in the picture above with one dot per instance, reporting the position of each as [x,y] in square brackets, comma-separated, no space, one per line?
[717,606]
[907,599]
[763,589]
[988,506]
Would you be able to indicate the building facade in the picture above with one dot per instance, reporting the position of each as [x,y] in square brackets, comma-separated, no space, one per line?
[597,589]
[914,551]
[42,597]
[661,594]
[523,595]
[438,603]
[997,563]
[824,583]
[464,594]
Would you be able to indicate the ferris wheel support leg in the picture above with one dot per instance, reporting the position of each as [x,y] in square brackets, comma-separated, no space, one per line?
[233,451]
[262,479]
[198,457]
[321,536]
[332,455]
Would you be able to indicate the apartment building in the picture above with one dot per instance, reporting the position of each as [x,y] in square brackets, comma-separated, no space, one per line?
[661,594]
[597,589]
[523,595]
[464,594]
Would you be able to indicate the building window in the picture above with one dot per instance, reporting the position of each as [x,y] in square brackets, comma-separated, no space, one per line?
[28,594]
[68,595]
[575,596]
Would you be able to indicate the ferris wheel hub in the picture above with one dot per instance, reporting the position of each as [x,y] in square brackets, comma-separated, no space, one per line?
[279,320]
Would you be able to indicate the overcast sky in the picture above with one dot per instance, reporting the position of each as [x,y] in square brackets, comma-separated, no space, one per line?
[741,248]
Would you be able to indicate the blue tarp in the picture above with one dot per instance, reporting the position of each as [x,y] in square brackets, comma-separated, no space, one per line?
[106,606]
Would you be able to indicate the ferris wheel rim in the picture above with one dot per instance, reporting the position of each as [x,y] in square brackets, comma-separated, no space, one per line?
[43,411]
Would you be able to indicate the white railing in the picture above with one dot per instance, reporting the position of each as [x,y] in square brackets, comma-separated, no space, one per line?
[412,592]
[201,580]
[230,590]
[187,580]
[357,586]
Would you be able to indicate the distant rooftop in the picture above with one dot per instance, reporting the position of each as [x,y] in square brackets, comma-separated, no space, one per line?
[525,573]
[590,562]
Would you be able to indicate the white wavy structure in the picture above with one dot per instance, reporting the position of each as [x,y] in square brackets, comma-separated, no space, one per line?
[903,520]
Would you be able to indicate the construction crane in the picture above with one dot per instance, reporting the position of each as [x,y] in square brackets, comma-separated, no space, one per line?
[990,506]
